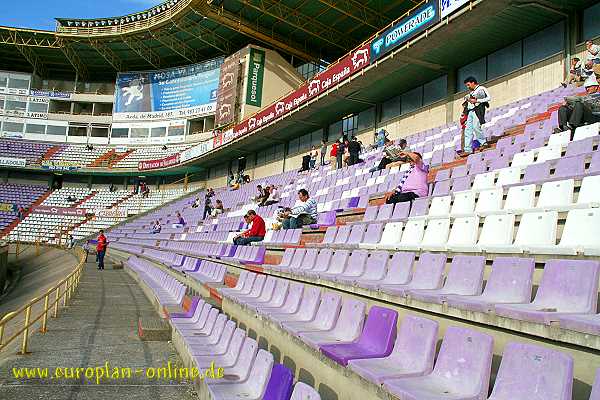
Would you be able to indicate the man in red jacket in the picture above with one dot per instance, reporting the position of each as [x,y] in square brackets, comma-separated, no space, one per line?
[101,249]
[256,231]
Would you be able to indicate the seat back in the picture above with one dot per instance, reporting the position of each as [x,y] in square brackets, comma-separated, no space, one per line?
[379,332]
[419,207]
[416,343]
[298,257]
[342,234]
[350,321]
[464,203]
[309,260]
[531,371]
[520,197]
[464,361]
[330,234]
[385,212]
[328,311]
[413,233]
[436,233]
[440,206]
[464,232]
[569,286]
[429,271]
[323,260]
[370,213]
[510,280]
[595,395]
[338,262]
[310,302]
[280,383]
[356,263]
[373,233]
[356,234]
[537,229]
[582,229]
[508,176]
[400,268]
[497,230]
[401,210]
[304,392]
[465,275]
[588,192]
[489,200]
[392,233]
[570,167]
[484,181]
[556,194]
[288,255]
[376,265]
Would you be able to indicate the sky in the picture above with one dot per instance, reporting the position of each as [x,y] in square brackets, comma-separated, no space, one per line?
[40,14]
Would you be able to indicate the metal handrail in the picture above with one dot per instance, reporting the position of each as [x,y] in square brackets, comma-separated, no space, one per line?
[68,286]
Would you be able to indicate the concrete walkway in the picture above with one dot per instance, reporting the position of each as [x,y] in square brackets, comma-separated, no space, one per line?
[98,327]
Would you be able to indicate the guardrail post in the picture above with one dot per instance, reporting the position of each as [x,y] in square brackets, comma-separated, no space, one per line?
[65,294]
[17,250]
[45,318]
[26,331]
[56,302]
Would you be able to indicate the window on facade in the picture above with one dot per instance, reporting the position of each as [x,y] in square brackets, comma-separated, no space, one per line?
[139,132]
[591,27]
[38,107]
[178,130]
[18,83]
[14,127]
[35,128]
[56,130]
[350,125]
[119,132]
[13,105]
[160,131]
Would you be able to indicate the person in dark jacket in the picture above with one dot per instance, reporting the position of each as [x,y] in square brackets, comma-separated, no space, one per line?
[354,150]
[341,148]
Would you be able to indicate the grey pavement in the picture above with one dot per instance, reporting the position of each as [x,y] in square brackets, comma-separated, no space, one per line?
[98,330]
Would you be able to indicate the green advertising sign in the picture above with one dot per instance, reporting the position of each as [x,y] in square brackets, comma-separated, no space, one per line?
[256,73]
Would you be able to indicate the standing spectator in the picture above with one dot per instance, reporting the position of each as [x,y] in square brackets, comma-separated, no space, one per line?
[592,54]
[256,232]
[380,137]
[70,242]
[21,213]
[112,188]
[218,209]
[333,154]
[354,150]
[180,221]
[101,249]
[341,148]
[413,184]
[476,101]
[323,151]
[314,153]
[208,202]
[303,214]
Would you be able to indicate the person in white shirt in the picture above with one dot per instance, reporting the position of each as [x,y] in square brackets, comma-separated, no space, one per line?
[476,102]
[592,52]
[273,196]
[304,213]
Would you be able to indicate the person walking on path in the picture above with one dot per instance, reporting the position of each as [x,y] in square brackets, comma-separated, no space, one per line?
[101,249]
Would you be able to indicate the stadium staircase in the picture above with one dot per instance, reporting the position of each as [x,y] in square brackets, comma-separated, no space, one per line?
[51,151]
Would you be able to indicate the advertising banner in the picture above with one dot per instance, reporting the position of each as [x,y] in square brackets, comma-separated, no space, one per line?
[8,207]
[170,93]
[256,74]
[12,162]
[336,73]
[111,212]
[52,95]
[228,89]
[450,6]
[59,210]
[60,165]
[196,151]
[162,163]
[424,17]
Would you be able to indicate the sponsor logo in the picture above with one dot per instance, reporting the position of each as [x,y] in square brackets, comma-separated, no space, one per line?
[314,87]
[360,58]
[279,107]
[252,123]
[225,111]
[227,80]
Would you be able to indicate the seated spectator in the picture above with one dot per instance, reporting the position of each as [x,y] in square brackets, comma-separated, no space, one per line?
[413,183]
[392,156]
[196,203]
[303,214]
[575,73]
[146,191]
[592,54]
[256,230]
[217,209]
[156,228]
[273,196]
[580,110]
[70,199]
[259,194]
[180,221]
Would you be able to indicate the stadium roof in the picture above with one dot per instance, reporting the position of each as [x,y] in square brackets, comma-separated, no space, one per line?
[180,32]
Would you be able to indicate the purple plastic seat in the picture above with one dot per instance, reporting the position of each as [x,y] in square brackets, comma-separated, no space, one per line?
[308,262]
[461,372]
[412,355]
[375,341]
[329,237]
[291,303]
[320,265]
[374,271]
[354,269]
[370,213]
[342,234]
[420,207]
[275,299]
[569,167]
[326,218]
[595,395]
[337,266]
[533,372]
[441,188]
[428,274]
[323,319]
[586,323]
[442,175]
[580,147]
[191,309]
[464,278]
[284,264]
[567,287]
[510,281]
[280,383]
[461,184]
[536,173]
[399,271]
[355,237]
[297,259]
[304,312]
[373,234]
[385,212]
[220,347]
[478,168]
[460,171]
[401,211]
[347,328]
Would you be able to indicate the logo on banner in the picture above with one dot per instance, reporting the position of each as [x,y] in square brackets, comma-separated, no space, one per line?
[279,107]
[227,80]
[360,58]
[450,6]
[12,162]
[404,30]
[256,72]
[314,87]
[133,92]
[225,111]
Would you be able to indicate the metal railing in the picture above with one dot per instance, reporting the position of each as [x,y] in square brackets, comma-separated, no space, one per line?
[63,290]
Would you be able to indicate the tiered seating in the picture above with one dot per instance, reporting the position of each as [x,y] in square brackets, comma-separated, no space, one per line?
[20,196]
[31,151]
[148,153]
[168,290]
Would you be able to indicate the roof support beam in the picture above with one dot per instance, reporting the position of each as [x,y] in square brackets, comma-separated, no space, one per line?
[31,56]
[365,15]
[74,60]
[12,36]
[292,17]
[143,51]
[108,55]
[176,45]
[203,34]
[237,24]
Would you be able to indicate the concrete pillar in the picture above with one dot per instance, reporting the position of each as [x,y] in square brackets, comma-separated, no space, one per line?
[451,91]
[90,181]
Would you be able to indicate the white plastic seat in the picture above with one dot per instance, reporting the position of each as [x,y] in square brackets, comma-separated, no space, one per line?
[464,203]
[581,234]
[489,201]
[584,132]
[390,238]
[508,176]
[412,235]
[560,139]
[520,198]
[523,159]
[463,235]
[497,230]
[484,181]
[548,153]
[589,195]
[536,229]
[436,234]
[440,207]
[556,195]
